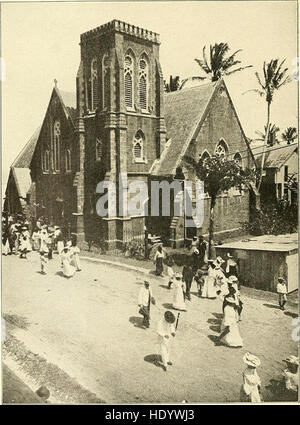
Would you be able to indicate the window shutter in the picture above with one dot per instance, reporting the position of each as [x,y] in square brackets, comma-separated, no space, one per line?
[128,90]
[143,92]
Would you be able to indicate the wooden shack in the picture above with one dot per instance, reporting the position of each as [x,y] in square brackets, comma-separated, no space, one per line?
[263,259]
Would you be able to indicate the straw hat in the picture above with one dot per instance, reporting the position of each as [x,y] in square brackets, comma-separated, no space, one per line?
[220,260]
[251,360]
[178,276]
[292,360]
[281,280]
[169,316]
[232,279]
[196,251]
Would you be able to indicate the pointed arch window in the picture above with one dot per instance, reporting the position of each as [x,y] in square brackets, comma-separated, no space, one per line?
[221,149]
[205,155]
[143,84]
[68,161]
[138,147]
[56,146]
[46,161]
[105,80]
[98,150]
[128,80]
[94,85]
[238,159]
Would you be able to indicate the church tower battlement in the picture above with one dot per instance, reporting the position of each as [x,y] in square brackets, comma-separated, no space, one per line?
[120,98]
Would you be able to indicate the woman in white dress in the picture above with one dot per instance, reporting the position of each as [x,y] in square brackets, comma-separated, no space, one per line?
[250,391]
[66,257]
[230,334]
[75,261]
[211,283]
[178,291]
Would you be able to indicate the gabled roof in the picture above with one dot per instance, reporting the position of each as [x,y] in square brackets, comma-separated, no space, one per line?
[276,156]
[24,158]
[23,180]
[68,102]
[183,111]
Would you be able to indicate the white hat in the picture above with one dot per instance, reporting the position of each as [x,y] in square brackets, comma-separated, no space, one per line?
[177,275]
[196,251]
[232,279]
[251,360]
[292,360]
[220,260]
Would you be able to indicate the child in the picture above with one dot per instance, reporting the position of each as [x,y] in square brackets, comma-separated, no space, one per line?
[44,262]
[281,291]
[250,390]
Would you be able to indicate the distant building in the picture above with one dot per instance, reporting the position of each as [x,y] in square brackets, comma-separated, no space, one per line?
[125,123]
[280,180]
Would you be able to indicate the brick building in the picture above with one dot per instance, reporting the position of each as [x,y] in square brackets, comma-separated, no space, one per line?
[124,123]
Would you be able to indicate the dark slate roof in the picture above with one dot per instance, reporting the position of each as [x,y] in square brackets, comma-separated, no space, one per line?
[183,112]
[68,100]
[24,158]
[276,156]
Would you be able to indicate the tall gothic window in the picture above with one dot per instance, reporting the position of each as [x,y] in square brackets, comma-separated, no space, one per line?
[46,161]
[56,146]
[94,84]
[105,80]
[98,150]
[143,83]
[68,160]
[128,80]
[221,149]
[138,147]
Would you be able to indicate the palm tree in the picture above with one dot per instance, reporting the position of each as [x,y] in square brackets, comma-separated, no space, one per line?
[218,65]
[173,85]
[274,77]
[272,136]
[289,135]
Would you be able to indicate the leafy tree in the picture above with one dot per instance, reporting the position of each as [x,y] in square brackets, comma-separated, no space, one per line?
[289,135]
[173,85]
[272,136]
[219,174]
[219,63]
[274,218]
[274,77]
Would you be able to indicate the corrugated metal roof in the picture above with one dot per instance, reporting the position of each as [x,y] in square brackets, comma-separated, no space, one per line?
[276,155]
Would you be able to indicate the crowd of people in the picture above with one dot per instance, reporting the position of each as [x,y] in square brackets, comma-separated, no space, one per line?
[214,279]
[19,237]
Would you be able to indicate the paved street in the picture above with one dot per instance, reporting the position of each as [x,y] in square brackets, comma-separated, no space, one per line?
[82,337]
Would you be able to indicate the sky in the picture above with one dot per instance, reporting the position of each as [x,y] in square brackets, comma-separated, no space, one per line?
[40,43]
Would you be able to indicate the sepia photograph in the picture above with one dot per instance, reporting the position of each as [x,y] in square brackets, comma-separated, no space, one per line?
[149,204]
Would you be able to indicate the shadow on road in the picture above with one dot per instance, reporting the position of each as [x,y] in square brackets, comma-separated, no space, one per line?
[168,306]
[218,315]
[137,322]
[289,313]
[164,286]
[155,359]
[272,306]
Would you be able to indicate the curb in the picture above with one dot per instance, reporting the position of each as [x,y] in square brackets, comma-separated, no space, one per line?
[121,265]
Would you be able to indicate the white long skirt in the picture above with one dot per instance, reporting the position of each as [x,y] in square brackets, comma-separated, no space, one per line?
[68,269]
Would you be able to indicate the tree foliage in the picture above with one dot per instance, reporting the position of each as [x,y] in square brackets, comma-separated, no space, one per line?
[218,64]
[290,135]
[173,84]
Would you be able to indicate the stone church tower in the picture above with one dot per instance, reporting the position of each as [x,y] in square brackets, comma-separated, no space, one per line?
[120,128]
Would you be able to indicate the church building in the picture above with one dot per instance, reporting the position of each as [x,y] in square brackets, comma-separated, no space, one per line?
[123,122]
